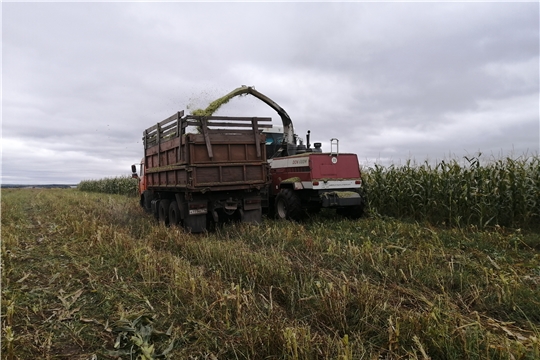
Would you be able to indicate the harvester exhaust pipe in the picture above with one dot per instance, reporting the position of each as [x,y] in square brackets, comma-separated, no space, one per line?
[333,142]
[308,145]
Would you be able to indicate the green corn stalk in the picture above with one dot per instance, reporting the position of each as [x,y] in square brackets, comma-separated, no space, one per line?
[504,191]
[123,185]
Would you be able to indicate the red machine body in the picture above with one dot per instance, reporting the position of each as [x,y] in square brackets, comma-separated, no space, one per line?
[317,171]
[197,180]
[307,182]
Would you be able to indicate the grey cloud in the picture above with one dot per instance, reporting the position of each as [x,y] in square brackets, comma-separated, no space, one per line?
[391,80]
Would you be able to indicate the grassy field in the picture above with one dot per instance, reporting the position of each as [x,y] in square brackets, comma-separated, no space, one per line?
[90,276]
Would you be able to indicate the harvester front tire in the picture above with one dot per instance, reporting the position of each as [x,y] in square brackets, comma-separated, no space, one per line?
[288,205]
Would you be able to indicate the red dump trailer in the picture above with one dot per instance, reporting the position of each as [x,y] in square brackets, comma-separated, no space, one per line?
[198,171]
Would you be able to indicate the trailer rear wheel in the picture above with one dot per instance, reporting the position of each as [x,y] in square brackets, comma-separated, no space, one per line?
[288,205]
[195,223]
[155,209]
[164,211]
[174,214]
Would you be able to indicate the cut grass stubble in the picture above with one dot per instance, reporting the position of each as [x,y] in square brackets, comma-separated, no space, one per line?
[80,267]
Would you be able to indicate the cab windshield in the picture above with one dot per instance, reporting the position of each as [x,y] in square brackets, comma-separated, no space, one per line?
[273,143]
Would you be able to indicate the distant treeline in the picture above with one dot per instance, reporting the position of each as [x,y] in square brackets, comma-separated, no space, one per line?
[48,186]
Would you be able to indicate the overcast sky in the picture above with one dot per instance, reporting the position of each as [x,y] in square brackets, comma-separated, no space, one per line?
[391,81]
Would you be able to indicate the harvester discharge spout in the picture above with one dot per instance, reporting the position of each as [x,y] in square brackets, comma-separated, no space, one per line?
[288,129]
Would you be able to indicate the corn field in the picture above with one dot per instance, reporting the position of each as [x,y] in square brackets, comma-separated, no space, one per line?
[502,192]
[122,185]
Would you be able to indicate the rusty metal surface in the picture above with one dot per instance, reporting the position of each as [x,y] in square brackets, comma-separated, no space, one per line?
[230,157]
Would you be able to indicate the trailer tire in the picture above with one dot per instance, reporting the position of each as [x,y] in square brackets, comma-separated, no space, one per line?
[164,212]
[146,201]
[174,214]
[288,205]
[141,201]
[155,209]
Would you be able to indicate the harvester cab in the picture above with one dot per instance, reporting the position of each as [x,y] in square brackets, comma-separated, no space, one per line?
[275,143]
